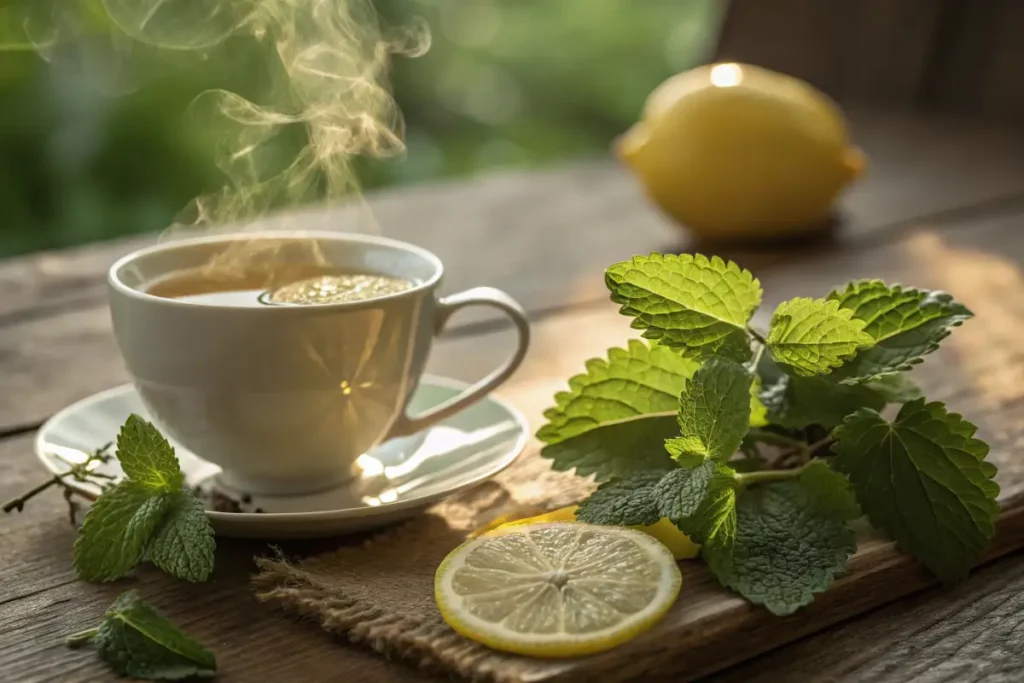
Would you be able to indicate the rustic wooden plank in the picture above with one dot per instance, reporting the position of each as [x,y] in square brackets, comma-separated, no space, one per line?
[979,370]
[588,216]
[973,633]
[874,51]
[41,602]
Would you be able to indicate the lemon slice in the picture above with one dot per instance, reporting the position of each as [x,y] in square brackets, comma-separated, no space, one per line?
[558,589]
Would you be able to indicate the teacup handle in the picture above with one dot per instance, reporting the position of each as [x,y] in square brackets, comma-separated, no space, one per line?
[478,296]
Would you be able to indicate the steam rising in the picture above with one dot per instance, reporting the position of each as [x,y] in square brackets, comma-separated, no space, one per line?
[330,78]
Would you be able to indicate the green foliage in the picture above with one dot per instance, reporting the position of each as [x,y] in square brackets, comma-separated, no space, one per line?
[137,641]
[714,411]
[99,140]
[614,419]
[787,548]
[924,480]
[696,305]
[814,336]
[752,479]
[148,514]
[905,324]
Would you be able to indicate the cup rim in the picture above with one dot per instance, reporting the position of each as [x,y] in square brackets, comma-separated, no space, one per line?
[115,282]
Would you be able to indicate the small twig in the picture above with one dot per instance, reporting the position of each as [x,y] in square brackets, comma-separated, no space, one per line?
[78,471]
[819,444]
[767,476]
[757,358]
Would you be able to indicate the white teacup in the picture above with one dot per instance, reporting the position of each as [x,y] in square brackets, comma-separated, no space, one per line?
[286,398]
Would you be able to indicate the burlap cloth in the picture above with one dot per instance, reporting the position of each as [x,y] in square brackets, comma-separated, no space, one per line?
[381,594]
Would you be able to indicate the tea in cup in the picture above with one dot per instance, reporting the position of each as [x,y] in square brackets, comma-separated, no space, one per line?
[283,357]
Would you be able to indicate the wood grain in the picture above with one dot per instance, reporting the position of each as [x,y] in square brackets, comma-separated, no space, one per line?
[921,170]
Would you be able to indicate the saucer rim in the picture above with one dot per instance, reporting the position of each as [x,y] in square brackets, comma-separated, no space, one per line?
[511,456]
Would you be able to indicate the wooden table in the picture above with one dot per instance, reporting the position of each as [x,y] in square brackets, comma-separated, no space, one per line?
[942,207]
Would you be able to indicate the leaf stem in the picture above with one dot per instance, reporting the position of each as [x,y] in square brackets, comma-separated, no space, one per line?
[819,444]
[757,335]
[768,476]
[81,638]
[757,358]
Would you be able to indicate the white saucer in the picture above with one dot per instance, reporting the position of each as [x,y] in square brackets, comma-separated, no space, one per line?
[400,477]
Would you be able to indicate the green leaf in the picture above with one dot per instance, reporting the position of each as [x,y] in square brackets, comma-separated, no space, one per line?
[895,388]
[614,419]
[814,336]
[924,480]
[701,501]
[183,544]
[796,402]
[114,532]
[714,410]
[623,502]
[905,324]
[696,305]
[787,547]
[138,641]
[146,457]
[829,490]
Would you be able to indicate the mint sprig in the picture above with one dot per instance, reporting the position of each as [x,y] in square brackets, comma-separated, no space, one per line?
[148,514]
[736,452]
[137,641]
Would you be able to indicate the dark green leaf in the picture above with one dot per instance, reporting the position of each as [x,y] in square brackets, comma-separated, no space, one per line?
[138,641]
[183,544]
[623,502]
[114,532]
[787,548]
[905,323]
[924,480]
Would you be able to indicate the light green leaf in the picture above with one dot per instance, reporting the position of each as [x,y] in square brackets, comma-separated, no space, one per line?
[714,410]
[114,532]
[183,544]
[758,410]
[614,419]
[696,305]
[905,323]
[924,480]
[814,336]
[146,457]
[138,641]
[701,501]
[623,502]
[787,548]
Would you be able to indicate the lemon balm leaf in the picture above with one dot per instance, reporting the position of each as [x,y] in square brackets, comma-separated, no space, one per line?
[623,502]
[114,532]
[714,410]
[614,419]
[905,323]
[787,547]
[137,641]
[701,502]
[696,305]
[146,457]
[815,336]
[923,479]
[183,544]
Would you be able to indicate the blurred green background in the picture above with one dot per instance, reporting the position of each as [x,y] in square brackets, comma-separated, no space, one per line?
[506,83]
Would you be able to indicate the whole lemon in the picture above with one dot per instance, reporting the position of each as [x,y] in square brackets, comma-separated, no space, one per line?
[734,151]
